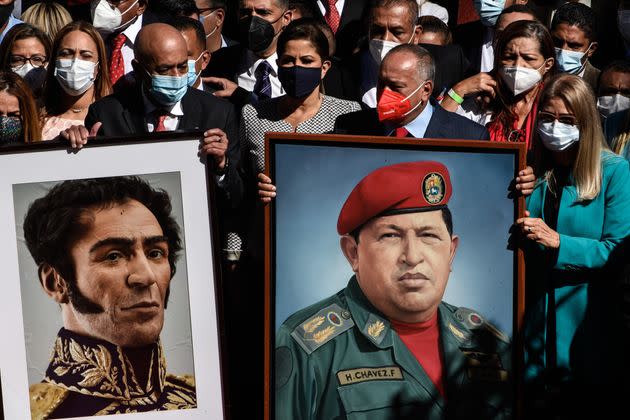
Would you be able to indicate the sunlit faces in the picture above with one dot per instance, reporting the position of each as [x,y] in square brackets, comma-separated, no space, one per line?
[195,50]
[571,38]
[402,263]
[301,52]
[9,105]
[121,264]
[393,24]
[525,52]
[613,82]
[78,45]
[267,10]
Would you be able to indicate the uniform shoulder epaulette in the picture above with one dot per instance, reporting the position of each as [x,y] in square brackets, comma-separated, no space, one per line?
[45,398]
[322,327]
[473,321]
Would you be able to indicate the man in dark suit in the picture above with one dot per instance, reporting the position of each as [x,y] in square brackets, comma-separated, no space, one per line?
[212,15]
[198,56]
[404,105]
[248,72]
[160,100]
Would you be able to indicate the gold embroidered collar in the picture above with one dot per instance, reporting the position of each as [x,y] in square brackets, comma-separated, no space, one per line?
[98,368]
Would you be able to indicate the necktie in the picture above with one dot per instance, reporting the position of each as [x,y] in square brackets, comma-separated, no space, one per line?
[262,88]
[161,117]
[332,16]
[117,64]
[401,132]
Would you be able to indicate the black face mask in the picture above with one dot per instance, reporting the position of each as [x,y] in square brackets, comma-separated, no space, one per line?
[299,81]
[256,33]
[5,12]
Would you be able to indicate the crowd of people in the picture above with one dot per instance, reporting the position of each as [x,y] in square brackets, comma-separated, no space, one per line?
[495,70]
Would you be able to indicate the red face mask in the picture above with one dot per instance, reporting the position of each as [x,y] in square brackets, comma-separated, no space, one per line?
[393,106]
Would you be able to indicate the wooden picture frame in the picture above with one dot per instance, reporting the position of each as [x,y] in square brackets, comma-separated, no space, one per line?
[314,175]
[192,337]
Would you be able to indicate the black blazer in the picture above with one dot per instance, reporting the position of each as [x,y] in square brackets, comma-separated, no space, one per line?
[122,114]
[443,125]
[225,63]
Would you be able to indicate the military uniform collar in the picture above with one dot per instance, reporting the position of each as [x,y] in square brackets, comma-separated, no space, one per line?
[370,322]
[98,368]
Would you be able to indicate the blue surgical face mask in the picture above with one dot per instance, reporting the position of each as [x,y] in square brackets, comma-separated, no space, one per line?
[192,72]
[570,61]
[489,10]
[168,90]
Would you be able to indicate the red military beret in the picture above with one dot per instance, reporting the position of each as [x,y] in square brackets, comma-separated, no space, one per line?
[401,188]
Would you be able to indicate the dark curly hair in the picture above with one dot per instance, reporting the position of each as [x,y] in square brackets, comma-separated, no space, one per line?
[54,222]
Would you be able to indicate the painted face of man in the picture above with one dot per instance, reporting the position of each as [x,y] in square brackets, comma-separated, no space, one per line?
[402,263]
[122,268]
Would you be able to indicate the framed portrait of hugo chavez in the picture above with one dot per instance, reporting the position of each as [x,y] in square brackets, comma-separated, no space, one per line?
[393,289]
[110,304]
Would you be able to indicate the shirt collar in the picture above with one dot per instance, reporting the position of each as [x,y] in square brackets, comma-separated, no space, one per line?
[10,24]
[149,107]
[132,30]
[223,43]
[418,126]
[253,61]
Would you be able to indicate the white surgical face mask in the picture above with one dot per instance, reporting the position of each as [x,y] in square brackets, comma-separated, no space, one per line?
[520,79]
[623,23]
[557,136]
[23,70]
[380,48]
[75,76]
[610,104]
[106,19]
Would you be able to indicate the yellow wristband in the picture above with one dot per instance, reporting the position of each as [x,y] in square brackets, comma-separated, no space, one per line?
[454,96]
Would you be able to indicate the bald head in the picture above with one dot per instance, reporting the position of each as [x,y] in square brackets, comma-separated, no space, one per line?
[158,45]
[410,59]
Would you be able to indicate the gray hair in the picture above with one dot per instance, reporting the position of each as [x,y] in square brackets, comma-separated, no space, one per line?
[424,60]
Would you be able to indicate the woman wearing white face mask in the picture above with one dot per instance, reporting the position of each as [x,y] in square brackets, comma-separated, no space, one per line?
[26,50]
[77,76]
[505,100]
[576,216]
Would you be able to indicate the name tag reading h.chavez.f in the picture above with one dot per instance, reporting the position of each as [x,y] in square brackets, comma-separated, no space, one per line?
[383,373]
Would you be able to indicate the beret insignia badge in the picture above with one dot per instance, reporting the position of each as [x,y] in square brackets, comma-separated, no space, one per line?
[433,188]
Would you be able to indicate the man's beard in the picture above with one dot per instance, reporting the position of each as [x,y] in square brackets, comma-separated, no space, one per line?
[85,305]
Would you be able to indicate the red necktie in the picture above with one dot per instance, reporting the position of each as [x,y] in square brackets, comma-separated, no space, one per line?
[332,16]
[401,132]
[117,64]
[160,122]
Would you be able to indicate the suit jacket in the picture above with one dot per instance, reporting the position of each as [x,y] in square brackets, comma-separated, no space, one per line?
[351,27]
[122,114]
[225,64]
[443,125]
[591,75]
[470,37]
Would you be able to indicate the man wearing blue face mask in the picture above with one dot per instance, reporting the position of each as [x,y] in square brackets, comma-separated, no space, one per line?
[476,38]
[198,55]
[573,32]
[162,101]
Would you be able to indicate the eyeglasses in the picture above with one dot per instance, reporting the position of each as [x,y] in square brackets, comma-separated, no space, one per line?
[563,118]
[206,9]
[35,60]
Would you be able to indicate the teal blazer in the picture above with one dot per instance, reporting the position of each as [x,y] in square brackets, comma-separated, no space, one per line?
[572,285]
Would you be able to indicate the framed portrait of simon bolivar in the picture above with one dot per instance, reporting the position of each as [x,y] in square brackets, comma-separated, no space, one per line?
[393,288]
[110,304]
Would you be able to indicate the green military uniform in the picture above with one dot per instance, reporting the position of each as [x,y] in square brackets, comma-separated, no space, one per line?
[90,377]
[340,358]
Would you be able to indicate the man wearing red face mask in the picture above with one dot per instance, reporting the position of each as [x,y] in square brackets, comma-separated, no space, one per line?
[405,107]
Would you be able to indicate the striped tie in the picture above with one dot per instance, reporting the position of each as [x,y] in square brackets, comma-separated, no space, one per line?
[262,88]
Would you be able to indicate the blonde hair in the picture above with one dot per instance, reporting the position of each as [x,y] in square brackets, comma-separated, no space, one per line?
[48,16]
[578,97]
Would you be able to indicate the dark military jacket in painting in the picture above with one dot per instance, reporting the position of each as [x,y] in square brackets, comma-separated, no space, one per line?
[341,359]
[91,377]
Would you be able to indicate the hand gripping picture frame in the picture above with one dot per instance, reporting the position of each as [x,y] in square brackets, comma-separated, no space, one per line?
[111,282]
[329,351]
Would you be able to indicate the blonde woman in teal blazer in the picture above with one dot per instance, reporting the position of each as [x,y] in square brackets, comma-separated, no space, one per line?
[578,213]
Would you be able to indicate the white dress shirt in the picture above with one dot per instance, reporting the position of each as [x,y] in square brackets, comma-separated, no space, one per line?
[171,122]
[247,73]
[339,4]
[127,49]
[487,50]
